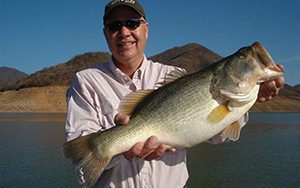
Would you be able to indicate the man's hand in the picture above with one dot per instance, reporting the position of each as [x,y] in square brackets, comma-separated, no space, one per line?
[148,150]
[270,89]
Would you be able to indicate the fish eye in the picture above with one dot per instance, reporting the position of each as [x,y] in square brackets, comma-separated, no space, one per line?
[242,54]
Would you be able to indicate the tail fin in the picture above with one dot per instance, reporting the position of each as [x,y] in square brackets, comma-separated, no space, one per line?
[85,156]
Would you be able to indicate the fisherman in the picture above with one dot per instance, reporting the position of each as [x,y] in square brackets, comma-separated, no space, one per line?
[95,94]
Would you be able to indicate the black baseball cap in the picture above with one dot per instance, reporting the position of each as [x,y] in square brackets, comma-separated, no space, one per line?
[134,4]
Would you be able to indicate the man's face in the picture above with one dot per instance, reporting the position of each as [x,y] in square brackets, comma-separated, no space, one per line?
[126,44]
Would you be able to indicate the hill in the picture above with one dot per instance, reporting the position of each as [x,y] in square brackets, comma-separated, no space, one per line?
[61,74]
[34,91]
[191,57]
[10,76]
[37,99]
[297,88]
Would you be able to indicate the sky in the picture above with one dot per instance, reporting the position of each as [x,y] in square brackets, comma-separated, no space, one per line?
[35,34]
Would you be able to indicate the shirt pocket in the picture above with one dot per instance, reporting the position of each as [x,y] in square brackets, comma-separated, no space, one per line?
[107,114]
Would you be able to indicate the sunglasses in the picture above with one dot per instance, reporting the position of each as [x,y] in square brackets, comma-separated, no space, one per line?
[129,24]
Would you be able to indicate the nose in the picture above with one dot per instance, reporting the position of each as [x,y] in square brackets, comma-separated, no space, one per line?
[124,32]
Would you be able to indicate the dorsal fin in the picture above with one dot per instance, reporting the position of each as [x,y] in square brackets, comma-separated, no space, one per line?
[130,101]
[173,75]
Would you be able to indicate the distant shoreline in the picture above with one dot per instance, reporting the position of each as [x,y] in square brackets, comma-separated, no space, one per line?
[52,99]
[32,119]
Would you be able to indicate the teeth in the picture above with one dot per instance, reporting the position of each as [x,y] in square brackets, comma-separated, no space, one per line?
[125,43]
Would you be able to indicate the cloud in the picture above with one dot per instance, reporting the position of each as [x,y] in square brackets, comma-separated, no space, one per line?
[289,59]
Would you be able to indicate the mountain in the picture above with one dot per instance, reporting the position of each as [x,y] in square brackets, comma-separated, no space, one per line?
[44,91]
[290,92]
[191,57]
[61,74]
[10,76]
[297,88]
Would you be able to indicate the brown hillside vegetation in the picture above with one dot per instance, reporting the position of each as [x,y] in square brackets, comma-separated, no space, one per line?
[45,90]
[192,57]
[53,99]
[37,99]
[62,74]
[297,88]
[278,104]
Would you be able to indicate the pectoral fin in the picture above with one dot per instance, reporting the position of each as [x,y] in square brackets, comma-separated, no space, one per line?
[232,132]
[218,114]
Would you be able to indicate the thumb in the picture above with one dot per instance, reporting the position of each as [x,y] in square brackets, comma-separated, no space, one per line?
[121,119]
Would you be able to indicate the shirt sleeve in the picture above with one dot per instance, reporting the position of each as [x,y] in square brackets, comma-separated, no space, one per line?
[218,138]
[83,112]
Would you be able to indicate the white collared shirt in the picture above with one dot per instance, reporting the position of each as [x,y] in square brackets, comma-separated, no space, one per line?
[93,99]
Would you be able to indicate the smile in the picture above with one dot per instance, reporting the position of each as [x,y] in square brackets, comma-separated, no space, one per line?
[126,44]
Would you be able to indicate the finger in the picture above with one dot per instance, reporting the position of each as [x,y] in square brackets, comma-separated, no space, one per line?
[150,145]
[271,85]
[280,82]
[156,153]
[273,89]
[166,148]
[269,97]
[171,149]
[281,67]
[270,90]
[121,119]
[263,93]
[160,151]
[134,151]
[261,99]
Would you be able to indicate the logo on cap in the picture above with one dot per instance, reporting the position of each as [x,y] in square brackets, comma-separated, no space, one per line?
[123,1]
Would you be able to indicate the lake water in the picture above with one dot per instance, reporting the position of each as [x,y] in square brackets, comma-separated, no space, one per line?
[267,154]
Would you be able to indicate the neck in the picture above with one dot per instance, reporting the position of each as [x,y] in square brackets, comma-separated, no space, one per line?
[129,67]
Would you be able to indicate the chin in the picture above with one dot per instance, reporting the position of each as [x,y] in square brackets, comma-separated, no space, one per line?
[127,56]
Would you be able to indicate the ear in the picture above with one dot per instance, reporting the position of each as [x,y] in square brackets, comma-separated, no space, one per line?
[105,33]
[146,30]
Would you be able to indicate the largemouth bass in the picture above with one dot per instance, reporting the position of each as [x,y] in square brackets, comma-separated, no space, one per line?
[186,110]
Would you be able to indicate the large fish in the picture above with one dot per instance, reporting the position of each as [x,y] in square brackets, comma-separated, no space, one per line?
[185,111]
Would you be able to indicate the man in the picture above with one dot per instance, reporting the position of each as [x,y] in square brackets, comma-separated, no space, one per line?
[95,94]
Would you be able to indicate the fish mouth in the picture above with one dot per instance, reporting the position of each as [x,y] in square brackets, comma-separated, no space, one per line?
[267,63]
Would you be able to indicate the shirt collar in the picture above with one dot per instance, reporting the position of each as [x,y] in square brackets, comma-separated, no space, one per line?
[123,78]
